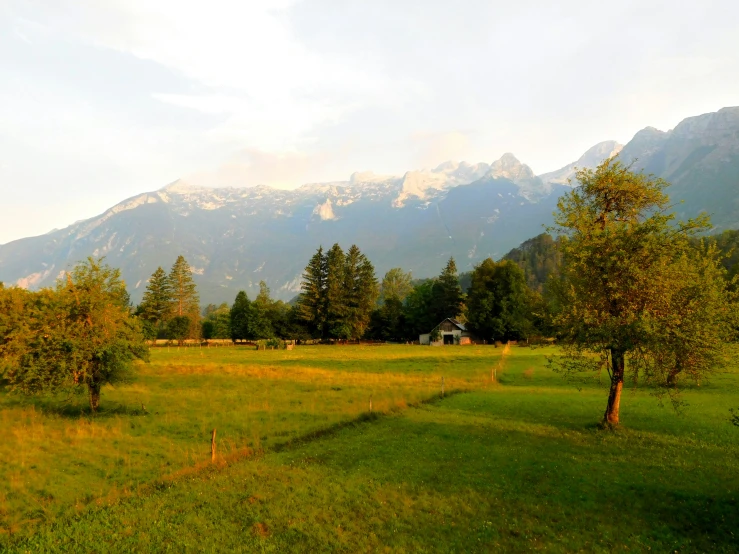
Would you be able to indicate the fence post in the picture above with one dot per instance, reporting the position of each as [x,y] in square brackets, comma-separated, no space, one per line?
[213,446]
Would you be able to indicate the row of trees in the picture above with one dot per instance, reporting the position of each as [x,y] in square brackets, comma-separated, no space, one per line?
[171,307]
[339,292]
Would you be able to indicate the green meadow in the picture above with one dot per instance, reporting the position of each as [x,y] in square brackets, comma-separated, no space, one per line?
[515,464]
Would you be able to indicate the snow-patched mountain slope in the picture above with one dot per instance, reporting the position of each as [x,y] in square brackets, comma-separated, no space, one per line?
[590,159]
[233,237]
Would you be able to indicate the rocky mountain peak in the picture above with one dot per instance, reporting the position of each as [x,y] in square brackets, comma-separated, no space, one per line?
[508,167]
[601,151]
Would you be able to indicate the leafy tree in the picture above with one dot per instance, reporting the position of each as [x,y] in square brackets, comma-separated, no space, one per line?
[447,296]
[260,326]
[499,302]
[241,317]
[79,334]
[396,285]
[312,300]
[634,296]
[184,294]
[419,316]
[217,323]
[178,328]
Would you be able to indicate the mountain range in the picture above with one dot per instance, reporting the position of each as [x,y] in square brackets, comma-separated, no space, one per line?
[235,237]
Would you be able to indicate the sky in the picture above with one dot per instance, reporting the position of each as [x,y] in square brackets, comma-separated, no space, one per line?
[103,99]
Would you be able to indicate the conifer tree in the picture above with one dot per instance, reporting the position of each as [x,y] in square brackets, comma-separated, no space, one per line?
[312,301]
[336,294]
[447,293]
[361,291]
[156,305]
[240,317]
[184,294]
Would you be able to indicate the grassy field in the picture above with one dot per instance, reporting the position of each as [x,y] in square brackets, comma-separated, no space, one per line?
[514,465]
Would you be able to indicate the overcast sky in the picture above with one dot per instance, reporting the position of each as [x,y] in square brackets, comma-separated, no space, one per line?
[104,99]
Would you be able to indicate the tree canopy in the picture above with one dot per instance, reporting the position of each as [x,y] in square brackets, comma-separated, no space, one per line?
[635,297]
[79,334]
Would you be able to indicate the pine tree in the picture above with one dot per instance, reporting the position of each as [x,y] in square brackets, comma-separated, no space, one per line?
[241,317]
[156,305]
[447,293]
[312,301]
[184,294]
[336,294]
[361,291]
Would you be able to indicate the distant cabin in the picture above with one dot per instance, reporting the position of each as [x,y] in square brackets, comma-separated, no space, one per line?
[451,331]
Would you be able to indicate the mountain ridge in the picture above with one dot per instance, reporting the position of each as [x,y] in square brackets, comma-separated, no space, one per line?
[235,236]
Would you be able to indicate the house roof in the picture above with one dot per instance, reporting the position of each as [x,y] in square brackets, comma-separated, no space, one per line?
[459,325]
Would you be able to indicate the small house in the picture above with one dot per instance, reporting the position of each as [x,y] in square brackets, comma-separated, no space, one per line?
[449,331]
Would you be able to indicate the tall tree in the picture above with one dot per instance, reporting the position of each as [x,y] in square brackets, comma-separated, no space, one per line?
[217,323]
[311,307]
[336,295]
[360,290]
[396,284]
[261,324]
[184,294]
[447,293]
[635,297]
[80,334]
[499,302]
[156,306]
[241,313]
[420,317]
[389,321]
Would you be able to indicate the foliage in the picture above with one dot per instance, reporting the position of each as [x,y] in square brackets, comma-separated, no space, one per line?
[178,328]
[156,305]
[80,334]
[240,316]
[339,293]
[312,301]
[634,296]
[446,293]
[217,322]
[499,303]
[360,289]
[419,316]
[396,285]
[184,295]
[539,258]
[260,326]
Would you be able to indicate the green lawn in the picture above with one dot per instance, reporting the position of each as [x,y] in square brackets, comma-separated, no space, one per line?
[513,466]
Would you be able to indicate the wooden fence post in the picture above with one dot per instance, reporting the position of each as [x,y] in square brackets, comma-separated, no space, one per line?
[213,446]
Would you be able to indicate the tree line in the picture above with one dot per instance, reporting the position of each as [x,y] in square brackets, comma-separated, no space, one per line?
[624,288]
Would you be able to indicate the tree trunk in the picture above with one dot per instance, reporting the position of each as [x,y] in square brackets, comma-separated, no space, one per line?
[94,389]
[610,418]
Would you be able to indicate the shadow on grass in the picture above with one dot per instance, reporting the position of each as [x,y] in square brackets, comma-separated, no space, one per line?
[74,407]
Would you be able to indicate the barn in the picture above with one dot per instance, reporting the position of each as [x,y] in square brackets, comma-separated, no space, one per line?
[450,331]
